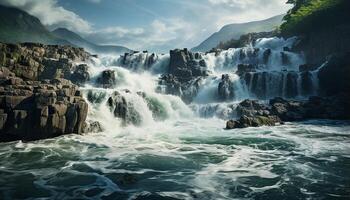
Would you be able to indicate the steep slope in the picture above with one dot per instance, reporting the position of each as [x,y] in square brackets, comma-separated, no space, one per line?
[18,26]
[234,31]
[89,46]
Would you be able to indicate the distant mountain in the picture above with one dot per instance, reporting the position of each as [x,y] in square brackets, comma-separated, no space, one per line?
[77,40]
[18,26]
[234,31]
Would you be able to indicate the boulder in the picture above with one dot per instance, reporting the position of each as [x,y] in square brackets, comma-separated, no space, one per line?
[255,121]
[225,88]
[107,79]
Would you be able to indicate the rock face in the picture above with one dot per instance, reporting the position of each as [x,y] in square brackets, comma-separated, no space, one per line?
[36,102]
[184,76]
[34,62]
[32,110]
[252,113]
[107,79]
[225,88]
[123,109]
[255,121]
[185,65]
[334,76]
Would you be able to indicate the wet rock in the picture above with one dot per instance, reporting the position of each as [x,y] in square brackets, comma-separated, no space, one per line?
[185,64]
[92,127]
[32,61]
[80,75]
[123,109]
[266,55]
[38,110]
[107,79]
[245,68]
[225,88]
[334,76]
[255,121]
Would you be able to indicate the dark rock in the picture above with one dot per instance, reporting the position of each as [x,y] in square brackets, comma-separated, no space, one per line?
[107,79]
[307,67]
[39,112]
[266,55]
[123,109]
[80,75]
[225,88]
[245,68]
[255,121]
[334,76]
[92,127]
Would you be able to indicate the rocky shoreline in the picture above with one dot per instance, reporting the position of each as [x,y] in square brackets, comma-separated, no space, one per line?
[252,113]
[37,97]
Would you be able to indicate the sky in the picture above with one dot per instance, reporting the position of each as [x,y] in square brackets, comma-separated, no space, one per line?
[155,25]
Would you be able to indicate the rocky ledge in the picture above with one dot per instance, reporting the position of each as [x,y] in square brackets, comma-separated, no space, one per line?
[36,99]
[252,113]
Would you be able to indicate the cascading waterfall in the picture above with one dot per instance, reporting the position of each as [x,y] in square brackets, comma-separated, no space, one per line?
[262,70]
[154,146]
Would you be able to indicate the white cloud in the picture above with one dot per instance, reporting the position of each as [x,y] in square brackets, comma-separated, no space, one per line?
[158,34]
[51,14]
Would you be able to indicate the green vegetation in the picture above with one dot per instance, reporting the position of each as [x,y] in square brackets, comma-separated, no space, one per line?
[313,15]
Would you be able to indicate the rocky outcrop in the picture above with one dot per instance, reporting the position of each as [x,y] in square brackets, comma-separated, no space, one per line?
[35,62]
[256,121]
[32,110]
[106,79]
[134,60]
[184,76]
[334,76]
[36,99]
[185,65]
[225,88]
[123,109]
[187,90]
[252,113]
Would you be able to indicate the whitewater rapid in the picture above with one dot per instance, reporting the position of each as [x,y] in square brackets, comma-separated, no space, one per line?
[185,153]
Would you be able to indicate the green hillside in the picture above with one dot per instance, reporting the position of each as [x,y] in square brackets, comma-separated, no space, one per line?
[18,26]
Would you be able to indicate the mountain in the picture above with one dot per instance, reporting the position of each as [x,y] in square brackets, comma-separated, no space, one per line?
[18,26]
[77,40]
[234,31]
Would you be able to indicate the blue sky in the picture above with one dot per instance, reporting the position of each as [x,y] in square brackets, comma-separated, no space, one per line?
[156,25]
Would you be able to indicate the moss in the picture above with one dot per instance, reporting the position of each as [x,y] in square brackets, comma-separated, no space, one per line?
[312,15]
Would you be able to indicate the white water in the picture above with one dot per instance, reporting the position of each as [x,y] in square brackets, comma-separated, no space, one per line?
[187,154]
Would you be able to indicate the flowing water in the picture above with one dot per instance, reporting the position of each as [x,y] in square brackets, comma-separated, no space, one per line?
[180,151]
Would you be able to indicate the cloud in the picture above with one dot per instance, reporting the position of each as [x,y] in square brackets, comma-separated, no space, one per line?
[158,35]
[51,14]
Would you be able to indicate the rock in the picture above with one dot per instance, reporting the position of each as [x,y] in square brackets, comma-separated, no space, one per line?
[266,55]
[185,64]
[92,127]
[225,88]
[285,59]
[80,75]
[256,121]
[40,110]
[107,79]
[245,68]
[307,67]
[36,62]
[334,76]
[252,108]
[123,109]
[252,113]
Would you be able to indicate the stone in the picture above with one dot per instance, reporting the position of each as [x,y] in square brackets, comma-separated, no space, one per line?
[107,79]
[225,88]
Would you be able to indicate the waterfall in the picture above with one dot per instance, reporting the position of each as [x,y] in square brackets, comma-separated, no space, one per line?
[262,70]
